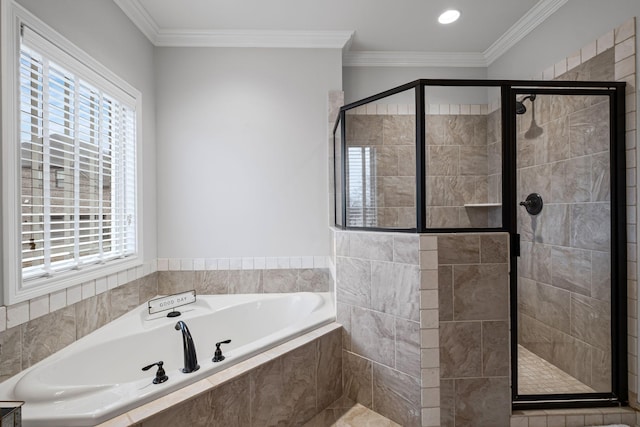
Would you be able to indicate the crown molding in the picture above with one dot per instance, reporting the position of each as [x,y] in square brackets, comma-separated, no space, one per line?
[338,40]
[413,59]
[255,38]
[534,17]
[140,17]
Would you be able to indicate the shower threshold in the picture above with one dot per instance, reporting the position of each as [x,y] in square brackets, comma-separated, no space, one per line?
[537,376]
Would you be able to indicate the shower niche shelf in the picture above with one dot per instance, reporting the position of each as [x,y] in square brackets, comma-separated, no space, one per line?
[482,205]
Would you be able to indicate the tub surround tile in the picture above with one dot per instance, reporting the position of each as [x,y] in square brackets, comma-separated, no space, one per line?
[148,287]
[244,281]
[329,368]
[124,299]
[45,335]
[212,282]
[11,345]
[92,314]
[343,316]
[173,282]
[284,390]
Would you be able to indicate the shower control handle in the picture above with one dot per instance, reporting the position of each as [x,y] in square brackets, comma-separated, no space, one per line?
[161,375]
[533,203]
[217,356]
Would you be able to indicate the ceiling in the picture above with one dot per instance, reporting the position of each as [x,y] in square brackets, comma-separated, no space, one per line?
[386,30]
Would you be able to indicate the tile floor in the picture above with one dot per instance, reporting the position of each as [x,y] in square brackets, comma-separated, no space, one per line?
[536,375]
[346,413]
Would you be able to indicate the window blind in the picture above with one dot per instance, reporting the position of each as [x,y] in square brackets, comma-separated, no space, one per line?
[362,209]
[78,163]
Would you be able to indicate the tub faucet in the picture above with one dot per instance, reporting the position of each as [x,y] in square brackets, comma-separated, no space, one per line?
[189,349]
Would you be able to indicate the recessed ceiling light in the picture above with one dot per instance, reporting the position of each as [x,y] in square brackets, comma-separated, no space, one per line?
[449,16]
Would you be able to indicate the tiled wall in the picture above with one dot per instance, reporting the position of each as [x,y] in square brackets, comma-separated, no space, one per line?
[279,390]
[392,139]
[91,307]
[213,282]
[564,268]
[473,305]
[463,163]
[457,170]
[377,287]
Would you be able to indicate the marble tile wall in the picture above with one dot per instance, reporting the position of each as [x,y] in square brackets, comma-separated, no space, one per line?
[28,343]
[210,282]
[392,139]
[473,310]
[378,304]
[564,268]
[287,390]
[457,170]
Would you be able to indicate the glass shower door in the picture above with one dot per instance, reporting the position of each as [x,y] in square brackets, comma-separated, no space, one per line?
[564,223]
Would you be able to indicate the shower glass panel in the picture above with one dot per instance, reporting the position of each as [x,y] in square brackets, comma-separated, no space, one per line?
[463,148]
[380,163]
[564,223]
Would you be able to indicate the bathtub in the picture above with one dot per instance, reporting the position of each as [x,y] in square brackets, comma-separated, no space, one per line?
[100,376]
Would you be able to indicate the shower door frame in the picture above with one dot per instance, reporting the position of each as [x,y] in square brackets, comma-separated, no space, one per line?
[619,382]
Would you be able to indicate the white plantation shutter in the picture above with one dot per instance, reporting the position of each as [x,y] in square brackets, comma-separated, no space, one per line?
[362,210]
[78,163]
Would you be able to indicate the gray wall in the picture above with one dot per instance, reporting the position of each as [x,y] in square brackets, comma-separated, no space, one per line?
[574,25]
[242,151]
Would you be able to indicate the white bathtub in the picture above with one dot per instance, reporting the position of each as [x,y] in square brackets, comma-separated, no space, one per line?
[100,376]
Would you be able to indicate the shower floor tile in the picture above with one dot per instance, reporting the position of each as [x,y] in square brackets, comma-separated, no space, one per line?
[537,376]
[346,413]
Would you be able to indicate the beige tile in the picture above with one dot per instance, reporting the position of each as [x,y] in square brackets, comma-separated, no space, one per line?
[556,421]
[483,402]
[394,288]
[284,390]
[605,42]
[329,368]
[429,338]
[626,30]
[625,49]
[45,335]
[461,249]
[626,67]
[480,292]
[447,403]
[428,243]
[396,396]
[430,397]
[540,421]
[494,248]
[123,299]
[429,279]
[429,319]
[428,260]
[373,335]
[460,349]
[92,314]
[495,349]
[353,280]
[357,378]
[445,292]
[588,51]
[11,360]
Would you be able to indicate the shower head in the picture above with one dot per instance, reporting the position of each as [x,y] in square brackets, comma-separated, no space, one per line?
[520,108]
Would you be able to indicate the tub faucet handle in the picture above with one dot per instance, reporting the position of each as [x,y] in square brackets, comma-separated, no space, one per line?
[161,375]
[217,356]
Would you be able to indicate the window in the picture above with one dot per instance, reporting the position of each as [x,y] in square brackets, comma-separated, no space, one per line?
[362,207]
[76,190]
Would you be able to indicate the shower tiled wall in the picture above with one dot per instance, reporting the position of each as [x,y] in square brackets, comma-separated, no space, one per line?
[464,163]
[377,288]
[564,284]
[457,170]
[392,140]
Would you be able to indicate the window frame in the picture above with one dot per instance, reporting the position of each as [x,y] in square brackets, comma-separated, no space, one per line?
[14,290]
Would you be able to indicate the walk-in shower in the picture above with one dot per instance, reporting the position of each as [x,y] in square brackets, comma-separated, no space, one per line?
[541,160]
